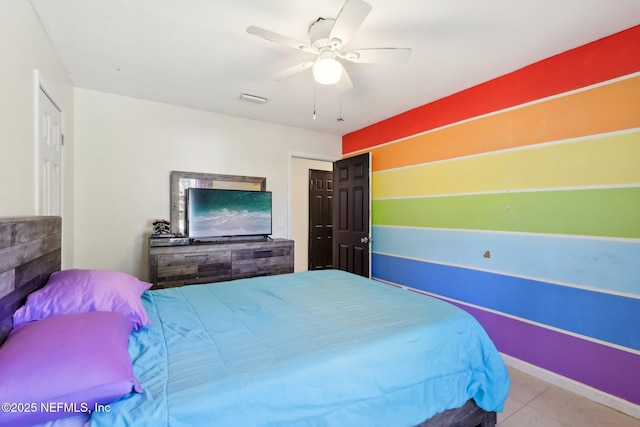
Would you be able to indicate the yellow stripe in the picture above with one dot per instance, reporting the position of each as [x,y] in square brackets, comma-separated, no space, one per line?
[607,160]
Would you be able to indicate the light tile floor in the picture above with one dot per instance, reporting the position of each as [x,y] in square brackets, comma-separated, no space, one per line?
[533,402]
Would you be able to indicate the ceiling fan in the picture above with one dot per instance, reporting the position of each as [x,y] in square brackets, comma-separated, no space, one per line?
[327,37]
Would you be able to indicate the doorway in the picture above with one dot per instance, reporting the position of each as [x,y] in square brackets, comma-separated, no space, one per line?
[354,254]
[320,219]
[299,205]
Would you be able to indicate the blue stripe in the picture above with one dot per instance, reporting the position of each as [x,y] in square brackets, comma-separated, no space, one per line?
[611,318]
[611,265]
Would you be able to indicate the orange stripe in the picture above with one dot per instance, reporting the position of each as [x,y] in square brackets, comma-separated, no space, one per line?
[602,109]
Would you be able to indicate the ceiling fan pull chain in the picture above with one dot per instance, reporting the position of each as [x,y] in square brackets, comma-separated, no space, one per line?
[314,100]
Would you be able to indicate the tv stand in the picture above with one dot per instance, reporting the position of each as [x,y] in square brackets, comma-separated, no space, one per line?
[206,262]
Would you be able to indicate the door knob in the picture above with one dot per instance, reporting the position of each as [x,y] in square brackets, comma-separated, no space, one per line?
[365,240]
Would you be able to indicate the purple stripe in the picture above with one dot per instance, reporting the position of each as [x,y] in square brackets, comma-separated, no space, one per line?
[604,368]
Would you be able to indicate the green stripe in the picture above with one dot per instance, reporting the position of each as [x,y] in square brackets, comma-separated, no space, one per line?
[611,212]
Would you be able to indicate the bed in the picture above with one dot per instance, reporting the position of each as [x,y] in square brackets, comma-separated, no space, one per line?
[311,349]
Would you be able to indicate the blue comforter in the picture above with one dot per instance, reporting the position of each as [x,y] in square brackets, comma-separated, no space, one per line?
[324,348]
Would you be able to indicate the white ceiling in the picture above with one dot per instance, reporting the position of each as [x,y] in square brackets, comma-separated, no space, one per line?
[197,53]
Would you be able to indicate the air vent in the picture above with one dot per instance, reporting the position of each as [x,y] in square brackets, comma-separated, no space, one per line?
[253,98]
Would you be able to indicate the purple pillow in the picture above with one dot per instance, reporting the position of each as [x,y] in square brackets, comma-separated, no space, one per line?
[77,291]
[64,365]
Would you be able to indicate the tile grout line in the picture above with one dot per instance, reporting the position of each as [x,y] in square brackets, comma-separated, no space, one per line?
[549,386]
[526,404]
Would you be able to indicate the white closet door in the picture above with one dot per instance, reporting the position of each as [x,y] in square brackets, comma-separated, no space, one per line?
[49,157]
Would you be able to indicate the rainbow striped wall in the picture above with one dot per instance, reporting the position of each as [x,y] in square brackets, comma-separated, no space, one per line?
[519,201]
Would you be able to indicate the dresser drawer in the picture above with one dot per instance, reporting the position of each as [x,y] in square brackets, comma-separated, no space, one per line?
[198,267]
[263,261]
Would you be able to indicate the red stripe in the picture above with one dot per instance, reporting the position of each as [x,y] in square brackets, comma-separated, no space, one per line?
[613,56]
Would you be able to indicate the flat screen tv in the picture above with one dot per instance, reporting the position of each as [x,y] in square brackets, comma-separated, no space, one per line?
[219,213]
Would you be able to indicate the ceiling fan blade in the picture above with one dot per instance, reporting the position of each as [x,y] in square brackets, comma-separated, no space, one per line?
[352,15]
[385,55]
[345,83]
[292,70]
[279,38]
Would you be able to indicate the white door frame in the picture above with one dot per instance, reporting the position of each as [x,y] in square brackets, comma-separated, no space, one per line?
[40,85]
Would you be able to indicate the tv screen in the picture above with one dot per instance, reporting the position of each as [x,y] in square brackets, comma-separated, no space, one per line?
[223,213]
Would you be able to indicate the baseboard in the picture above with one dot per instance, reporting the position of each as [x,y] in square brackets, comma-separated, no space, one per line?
[574,386]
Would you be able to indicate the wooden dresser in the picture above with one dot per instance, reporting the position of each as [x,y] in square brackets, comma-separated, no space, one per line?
[171,266]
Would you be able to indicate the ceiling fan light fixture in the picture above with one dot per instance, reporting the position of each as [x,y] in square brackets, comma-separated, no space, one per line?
[327,37]
[327,70]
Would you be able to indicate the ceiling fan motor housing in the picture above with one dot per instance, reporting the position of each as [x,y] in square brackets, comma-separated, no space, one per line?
[319,33]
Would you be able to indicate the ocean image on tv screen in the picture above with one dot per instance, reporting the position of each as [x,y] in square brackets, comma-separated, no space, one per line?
[216,213]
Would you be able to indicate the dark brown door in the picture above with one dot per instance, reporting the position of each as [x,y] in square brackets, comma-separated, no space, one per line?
[351,215]
[320,219]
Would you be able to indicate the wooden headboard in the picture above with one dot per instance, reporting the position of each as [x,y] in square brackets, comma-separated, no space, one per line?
[30,250]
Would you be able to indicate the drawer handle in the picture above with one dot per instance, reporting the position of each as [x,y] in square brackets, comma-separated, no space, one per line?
[263,252]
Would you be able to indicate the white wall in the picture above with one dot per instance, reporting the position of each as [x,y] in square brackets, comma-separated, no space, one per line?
[24,48]
[126,148]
